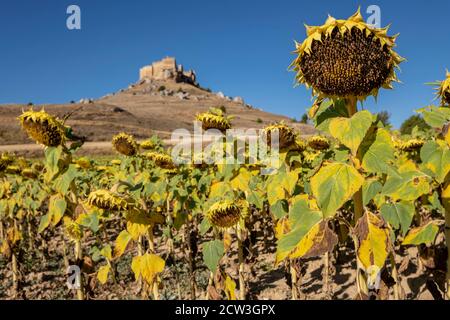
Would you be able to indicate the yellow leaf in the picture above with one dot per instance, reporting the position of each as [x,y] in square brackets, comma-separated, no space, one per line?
[242,180]
[374,242]
[102,274]
[148,266]
[106,252]
[230,287]
[122,241]
[136,230]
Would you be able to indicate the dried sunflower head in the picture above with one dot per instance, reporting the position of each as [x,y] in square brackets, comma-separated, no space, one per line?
[318,143]
[214,119]
[5,161]
[125,144]
[346,59]
[116,162]
[286,134]
[162,160]
[83,163]
[13,169]
[224,214]
[309,157]
[411,145]
[105,199]
[29,173]
[43,128]
[147,145]
[443,91]
[299,145]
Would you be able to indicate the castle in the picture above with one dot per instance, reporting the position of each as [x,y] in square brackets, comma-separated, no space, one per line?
[167,69]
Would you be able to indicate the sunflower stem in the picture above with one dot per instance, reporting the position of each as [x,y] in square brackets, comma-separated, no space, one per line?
[242,289]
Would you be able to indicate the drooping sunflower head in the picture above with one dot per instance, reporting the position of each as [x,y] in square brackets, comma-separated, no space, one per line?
[411,145]
[43,128]
[5,161]
[13,169]
[162,160]
[318,143]
[346,59]
[147,145]
[224,214]
[29,173]
[443,91]
[107,200]
[214,119]
[125,144]
[286,134]
[83,163]
[300,145]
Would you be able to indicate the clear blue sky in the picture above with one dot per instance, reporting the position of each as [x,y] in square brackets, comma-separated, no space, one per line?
[242,48]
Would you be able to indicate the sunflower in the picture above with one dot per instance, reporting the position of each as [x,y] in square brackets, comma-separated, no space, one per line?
[5,161]
[224,214]
[162,160]
[411,145]
[299,145]
[443,91]
[214,119]
[346,59]
[309,157]
[318,143]
[29,173]
[125,144]
[83,163]
[147,145]
[43,128]
[104,199]
[286,134]
[13,169]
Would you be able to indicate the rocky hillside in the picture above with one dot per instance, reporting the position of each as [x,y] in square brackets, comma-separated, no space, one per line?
[143,109]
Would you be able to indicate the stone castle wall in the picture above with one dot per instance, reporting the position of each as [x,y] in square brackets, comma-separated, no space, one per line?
[167,69]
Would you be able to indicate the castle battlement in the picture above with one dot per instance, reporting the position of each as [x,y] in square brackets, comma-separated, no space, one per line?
[167,69]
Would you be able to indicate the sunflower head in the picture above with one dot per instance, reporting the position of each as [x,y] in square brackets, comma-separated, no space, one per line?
[13,169]
[411,145]
[147,145]
[214,119]
[29,173]
[104,199]
[443,91]
[224,214]
[309,157]
[286,134]
[43,128]
[318,143]
[125,144]
[346,59]
[162,160]
[116,162]
[300,145]
[5,161]
[83,163]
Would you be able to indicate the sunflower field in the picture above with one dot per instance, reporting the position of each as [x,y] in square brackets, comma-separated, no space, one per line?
[357,191]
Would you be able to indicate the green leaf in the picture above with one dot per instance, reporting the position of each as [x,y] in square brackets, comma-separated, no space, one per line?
[425,234]
[57,208]
[52,157]
[351,131]
[333,185]
[399,214]
[406,186]
[204,226]
[302,218]
[327,111]
[44,222]
[212,253]
[377,151]
[435,156]
[280,209]
[63,182]
[435,117]
[371,188]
